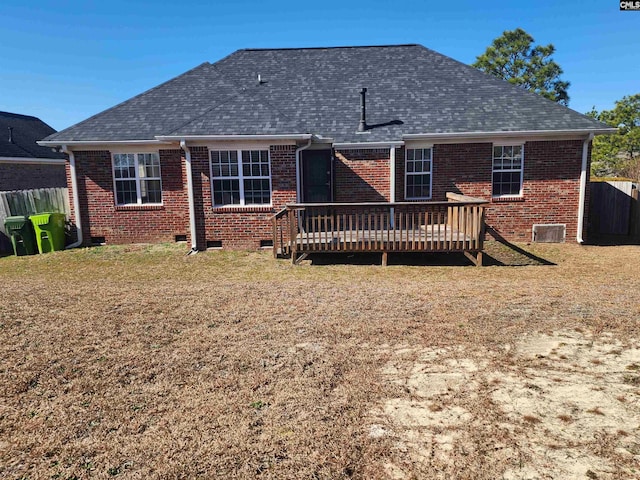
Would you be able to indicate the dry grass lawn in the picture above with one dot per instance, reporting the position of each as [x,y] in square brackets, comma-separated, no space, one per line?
[140,362]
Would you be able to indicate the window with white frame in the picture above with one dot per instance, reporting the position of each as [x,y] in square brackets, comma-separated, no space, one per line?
[240,177]
[507,170]
[137,178]
[417,175]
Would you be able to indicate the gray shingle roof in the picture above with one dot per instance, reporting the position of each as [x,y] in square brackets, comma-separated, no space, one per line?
[411,90]
[26,131]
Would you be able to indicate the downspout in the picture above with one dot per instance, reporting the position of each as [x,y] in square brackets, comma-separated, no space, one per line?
[298,171]
[583,187]
[392,183]
[192,208]
[76,197]
[392,172]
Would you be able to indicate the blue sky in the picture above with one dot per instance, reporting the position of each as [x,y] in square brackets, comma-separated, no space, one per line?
[64,61]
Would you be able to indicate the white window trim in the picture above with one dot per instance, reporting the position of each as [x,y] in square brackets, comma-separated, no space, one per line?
[520,194]
[430,172]
[137,178]
[240,177]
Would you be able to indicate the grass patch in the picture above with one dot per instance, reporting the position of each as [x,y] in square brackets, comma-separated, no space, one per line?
[234,365]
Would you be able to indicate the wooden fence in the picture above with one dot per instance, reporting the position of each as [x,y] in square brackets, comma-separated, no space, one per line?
[29,202]
[634,216]
[610,206]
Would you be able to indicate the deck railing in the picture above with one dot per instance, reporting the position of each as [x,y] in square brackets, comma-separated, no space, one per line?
[456,225]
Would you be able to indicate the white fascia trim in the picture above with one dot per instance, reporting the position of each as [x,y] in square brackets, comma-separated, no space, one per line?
[292,136]
[366,145]
[516,133]
[90,143]
[33,161]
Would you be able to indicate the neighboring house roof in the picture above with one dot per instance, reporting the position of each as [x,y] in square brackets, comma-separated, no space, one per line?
[25,132]
[411,90]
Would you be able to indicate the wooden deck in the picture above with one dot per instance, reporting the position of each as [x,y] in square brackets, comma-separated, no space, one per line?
[453,226]
[438,237]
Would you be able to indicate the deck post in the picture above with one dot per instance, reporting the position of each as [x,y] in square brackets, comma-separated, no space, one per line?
[293,235]
[384,258]
[482,230]
[274,222]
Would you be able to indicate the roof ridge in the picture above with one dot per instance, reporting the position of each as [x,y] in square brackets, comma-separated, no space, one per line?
[203,64]
[240,90]
[236,94]
[327,48]
[215,105]
[19,115]
[257,90]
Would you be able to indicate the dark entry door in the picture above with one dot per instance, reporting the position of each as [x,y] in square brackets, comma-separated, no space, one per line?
[316,176]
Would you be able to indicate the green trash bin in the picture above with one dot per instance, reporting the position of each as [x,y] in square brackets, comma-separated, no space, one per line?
[23,239]
[49,230]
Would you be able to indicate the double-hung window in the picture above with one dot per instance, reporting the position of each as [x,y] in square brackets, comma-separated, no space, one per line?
[240,177]
[137,178]
[507,170]
[418,173]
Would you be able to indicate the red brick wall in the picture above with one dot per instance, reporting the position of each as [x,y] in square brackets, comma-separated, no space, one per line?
[15,176]
[362,175]
[550,189]
[242,227]
[130,224]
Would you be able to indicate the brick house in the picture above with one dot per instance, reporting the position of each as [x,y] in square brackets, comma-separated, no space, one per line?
[212,154]
[24,164]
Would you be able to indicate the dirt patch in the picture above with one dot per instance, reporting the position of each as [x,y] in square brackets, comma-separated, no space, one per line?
[561,405]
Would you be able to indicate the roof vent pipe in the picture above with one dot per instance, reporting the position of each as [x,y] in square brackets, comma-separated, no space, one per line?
[10,134]
[362,126]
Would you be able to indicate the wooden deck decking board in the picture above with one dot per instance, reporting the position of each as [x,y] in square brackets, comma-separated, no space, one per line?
[433,238]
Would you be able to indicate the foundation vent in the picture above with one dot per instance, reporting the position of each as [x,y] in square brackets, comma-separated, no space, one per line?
[549,232]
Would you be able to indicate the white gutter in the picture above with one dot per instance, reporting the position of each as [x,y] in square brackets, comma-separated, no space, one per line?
[298,170]
[192,208]
[89,143]
[583,187]
[292,136]
[515,133]
[33,161]
[76,197]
